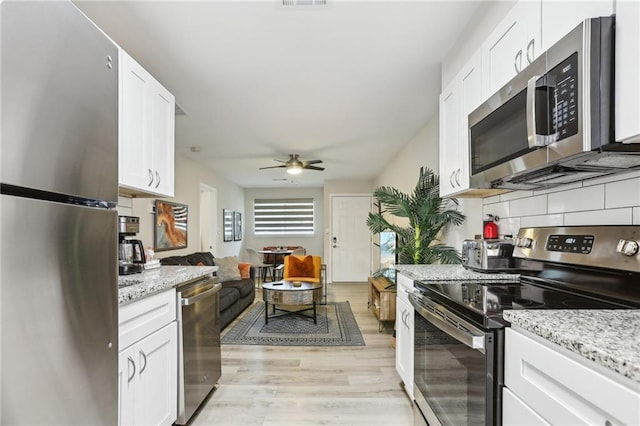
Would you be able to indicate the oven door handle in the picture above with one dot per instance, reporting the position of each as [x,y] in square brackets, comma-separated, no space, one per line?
[474,341]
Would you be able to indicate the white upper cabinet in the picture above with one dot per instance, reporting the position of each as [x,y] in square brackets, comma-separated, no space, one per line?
[146,132]
[457,101]
[560,17]
[513,45]
[627,105]
[449,157]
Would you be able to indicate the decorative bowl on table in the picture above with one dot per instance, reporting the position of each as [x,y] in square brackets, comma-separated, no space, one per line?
[297,283]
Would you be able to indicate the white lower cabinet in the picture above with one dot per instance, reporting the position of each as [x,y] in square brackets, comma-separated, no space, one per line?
[148,361]
[404,333]
[547,384]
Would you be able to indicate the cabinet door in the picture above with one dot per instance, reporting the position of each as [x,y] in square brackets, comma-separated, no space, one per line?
[627,103]
[163,140]
[470,98]
[126,386]
[563,387]
[404,344]
[157,363]
[513,45]
[517,413]
[560,17]
[449,139]
[134,156]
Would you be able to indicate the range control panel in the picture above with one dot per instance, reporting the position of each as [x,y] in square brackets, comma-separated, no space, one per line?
[608,246]
[571,243]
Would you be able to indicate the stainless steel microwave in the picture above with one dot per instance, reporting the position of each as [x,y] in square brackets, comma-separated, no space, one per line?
[554,122]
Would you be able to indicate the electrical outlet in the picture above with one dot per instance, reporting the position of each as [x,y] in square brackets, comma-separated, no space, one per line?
[151,208]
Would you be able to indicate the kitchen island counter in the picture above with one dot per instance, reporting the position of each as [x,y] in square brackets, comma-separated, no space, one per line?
[610,338]
[137,286]
[450,273]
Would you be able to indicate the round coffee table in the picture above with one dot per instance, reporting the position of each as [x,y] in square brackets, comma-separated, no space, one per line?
[290,293]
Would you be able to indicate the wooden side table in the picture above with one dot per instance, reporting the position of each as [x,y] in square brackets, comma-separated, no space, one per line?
[382,300]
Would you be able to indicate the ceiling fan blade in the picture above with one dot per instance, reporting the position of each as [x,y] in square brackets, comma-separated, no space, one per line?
[313,162]
[280,161]
[272,167]
[313,168]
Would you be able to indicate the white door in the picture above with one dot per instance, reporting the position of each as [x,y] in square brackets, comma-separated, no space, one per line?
[350,238]
[208,219]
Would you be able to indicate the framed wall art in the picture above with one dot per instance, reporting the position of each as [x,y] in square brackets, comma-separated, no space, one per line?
[227,220]
[170,230]
[237,226]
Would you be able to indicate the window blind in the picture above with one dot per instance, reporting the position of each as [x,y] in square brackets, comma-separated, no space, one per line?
[283,216]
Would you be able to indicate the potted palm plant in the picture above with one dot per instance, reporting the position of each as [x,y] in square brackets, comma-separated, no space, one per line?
[427,214]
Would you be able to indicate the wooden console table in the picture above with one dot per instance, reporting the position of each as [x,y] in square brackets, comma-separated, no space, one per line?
[382,300]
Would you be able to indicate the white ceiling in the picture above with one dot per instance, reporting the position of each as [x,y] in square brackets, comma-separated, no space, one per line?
[350,83]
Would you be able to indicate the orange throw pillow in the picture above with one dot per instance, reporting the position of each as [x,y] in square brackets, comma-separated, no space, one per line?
[301,267]
[244,269]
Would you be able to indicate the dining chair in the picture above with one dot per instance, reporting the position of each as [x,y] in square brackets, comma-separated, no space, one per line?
[256,261]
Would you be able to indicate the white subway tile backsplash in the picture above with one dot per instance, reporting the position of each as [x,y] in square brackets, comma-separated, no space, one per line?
[558,188]
[611,178]
[125,202]
[590,198]
[509,226]
[600,217]
[622,193]
[542,220]
[491,200]
[515,195]
[498,209]
[528,206]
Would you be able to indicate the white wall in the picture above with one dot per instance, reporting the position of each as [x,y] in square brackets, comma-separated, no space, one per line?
[403,172]
[188,176]
[313,244]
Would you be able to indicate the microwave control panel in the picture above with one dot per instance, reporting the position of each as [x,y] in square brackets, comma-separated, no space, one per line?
[564,107]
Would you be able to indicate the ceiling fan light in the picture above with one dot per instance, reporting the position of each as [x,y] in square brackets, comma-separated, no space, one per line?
[294,170]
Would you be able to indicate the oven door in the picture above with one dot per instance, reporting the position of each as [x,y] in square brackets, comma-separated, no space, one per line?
[457,367]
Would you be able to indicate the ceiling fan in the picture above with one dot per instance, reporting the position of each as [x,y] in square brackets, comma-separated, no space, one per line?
[294,165]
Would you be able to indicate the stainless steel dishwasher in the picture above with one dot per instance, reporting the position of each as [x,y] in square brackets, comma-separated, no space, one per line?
[199,359]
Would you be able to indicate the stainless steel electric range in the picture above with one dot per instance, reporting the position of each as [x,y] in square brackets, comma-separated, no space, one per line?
[459,329]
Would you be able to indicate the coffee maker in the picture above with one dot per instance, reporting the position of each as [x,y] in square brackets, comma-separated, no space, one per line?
[131,257]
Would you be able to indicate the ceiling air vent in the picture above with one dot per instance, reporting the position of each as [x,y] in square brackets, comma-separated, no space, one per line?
[296,3]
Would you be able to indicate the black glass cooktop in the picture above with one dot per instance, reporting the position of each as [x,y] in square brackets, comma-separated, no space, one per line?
[483,303]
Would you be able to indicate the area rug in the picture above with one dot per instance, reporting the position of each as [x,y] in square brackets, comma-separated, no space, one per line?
[336,327]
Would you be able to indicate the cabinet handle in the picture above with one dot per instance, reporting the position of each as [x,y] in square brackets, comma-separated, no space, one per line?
[516,60]
[134,369]
[157,178]
[144,356]
[451,178]
[458,177]
[531,47]
[150,177]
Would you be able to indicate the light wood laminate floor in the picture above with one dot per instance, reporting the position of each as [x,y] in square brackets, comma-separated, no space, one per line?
[344,385]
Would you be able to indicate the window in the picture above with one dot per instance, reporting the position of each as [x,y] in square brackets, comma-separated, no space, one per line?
[291,216]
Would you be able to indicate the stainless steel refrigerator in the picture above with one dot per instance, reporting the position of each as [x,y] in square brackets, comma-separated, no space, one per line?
[59,186]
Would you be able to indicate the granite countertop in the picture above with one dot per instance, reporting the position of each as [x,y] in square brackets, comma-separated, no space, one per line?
[136,286]
[450,273]
[610,338]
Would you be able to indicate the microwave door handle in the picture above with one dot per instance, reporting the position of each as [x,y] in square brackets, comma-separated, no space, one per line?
[532,137]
